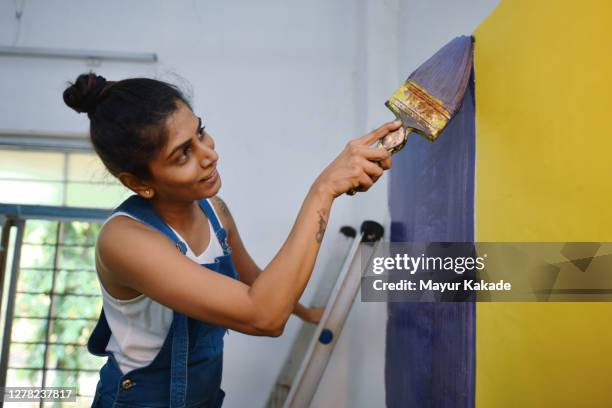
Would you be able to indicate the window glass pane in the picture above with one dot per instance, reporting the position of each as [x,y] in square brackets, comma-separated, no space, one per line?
[28,330]
[38,178]
[26,355]
[40,232]
[77,258]
[73,333]
[87,167]
[23,378]
[31,305]
[85,383]
[34,280]
[61,378]
[26,165]
[37,256]
[69,356]
[96,195]
[80,233]
[31,192]
[77,281]
[73,307]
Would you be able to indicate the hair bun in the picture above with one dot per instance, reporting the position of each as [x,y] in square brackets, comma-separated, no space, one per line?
[83,95]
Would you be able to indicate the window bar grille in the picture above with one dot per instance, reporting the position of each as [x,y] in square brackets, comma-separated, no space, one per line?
[68,270]
[59,294]
[86,319]
[89,370]
[14,217]
[63,245]
[51,343]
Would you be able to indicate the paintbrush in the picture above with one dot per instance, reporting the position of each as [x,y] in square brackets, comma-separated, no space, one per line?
[431,95]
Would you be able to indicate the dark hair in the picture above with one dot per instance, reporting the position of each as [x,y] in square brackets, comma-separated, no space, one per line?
[127,118]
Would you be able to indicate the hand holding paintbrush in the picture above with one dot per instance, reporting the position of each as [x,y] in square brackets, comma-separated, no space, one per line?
[392,143]
[359,165]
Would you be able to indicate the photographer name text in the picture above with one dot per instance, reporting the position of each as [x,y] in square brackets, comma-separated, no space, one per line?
[431,285]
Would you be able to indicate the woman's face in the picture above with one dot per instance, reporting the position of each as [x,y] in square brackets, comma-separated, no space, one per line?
[186,167]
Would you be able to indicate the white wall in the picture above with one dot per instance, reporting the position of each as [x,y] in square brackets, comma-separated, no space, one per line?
[282,86]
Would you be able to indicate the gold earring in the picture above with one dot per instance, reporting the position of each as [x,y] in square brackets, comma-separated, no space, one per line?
[148,192]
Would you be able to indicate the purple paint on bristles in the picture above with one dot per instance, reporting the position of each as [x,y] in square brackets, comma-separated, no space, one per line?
[443,77]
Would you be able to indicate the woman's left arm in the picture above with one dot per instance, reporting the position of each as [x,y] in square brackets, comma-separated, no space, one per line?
[246,267]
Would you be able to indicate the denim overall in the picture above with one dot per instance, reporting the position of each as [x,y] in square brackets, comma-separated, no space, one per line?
[186,373]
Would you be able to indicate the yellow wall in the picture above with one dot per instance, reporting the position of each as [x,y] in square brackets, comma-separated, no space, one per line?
[544,173]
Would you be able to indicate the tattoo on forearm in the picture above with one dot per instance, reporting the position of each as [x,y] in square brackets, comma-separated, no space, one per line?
[322,226]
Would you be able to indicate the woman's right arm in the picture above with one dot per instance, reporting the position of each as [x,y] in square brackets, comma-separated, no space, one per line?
[149,263]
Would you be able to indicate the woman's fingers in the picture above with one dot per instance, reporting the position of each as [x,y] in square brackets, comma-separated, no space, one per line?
[386,163]
[374,170]
[359,165]
[365,182]
[369,165]
[368,173]
[379,133]
[372,153]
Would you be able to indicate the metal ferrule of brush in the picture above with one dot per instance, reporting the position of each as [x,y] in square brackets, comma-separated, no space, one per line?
[412,103]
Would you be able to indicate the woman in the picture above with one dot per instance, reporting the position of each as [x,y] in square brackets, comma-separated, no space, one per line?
[165,314]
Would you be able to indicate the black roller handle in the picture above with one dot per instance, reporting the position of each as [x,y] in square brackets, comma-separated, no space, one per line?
[348,231]
[372,231]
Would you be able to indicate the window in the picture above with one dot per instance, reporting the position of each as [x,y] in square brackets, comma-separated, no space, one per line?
[75,179]
[50,294]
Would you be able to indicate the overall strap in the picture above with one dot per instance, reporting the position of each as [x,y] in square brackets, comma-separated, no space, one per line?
[219,231]
[143,211]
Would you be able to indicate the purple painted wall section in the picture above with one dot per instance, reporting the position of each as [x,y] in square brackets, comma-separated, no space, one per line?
[430,354]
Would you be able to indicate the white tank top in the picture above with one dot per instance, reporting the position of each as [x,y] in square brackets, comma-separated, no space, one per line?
[140,325]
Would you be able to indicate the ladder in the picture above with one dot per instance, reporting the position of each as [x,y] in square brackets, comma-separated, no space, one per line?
[310,353]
